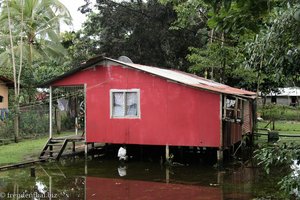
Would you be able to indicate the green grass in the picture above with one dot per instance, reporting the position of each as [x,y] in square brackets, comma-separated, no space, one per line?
[284,127]
[25,150]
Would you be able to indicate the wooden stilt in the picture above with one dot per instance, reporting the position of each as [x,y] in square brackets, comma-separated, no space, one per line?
[220,157]
[32,171]
[167,154]
[86,168]
[73,149]
[86,150]
[167,174]
[51,151]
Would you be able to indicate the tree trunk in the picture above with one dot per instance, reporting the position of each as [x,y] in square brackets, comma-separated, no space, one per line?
[16,106]
[211,41]
[16,126]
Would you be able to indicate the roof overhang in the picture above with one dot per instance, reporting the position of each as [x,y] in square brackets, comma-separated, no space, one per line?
[9,83]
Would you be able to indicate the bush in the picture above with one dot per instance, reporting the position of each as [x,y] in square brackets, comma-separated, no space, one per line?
[6,129]
[33,123]
[279,112]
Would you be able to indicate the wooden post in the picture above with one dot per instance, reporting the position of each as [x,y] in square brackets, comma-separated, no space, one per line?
[167,174]
[76,126]
[50,188]
[51,151]
[85,133]
[50,112]
[86,150]
[32,171]
[85,168]
[73,149]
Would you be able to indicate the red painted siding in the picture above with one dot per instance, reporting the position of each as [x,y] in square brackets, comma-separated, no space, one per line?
[171,113]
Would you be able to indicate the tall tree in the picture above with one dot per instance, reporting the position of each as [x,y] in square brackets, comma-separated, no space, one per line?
[32,27]
[141,31]
[40,30]
[274,53]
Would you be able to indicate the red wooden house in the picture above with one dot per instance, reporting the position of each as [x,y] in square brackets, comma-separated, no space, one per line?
[128,103]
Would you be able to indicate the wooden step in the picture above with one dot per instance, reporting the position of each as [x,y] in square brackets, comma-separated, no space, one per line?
[60,145]
[55,144]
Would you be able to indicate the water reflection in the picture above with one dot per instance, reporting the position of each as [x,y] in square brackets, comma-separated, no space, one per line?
[103,188]
[99,179]
[122,171]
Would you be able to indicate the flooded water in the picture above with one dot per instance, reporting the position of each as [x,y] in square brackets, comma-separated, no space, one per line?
[109,179]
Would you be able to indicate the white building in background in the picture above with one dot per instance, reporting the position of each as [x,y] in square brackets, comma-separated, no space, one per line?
[289,96]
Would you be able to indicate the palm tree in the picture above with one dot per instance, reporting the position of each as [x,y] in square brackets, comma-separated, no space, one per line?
[39,28]
[30,31]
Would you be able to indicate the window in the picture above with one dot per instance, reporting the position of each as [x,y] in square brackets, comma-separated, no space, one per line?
[125,103]
[294,101]
[233,108]
[1,99]
[273,99]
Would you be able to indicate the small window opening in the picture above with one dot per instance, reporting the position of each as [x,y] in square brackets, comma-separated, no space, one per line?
[125,103]
[233,108]
[273,99]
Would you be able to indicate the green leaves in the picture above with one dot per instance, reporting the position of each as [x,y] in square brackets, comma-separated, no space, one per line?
[274,54]
[284,157]
[142,31]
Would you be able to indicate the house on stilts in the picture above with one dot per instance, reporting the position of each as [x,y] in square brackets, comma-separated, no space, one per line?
[127,103]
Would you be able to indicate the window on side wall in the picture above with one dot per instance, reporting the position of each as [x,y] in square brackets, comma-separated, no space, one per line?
[233,109]
[1,99]
[125,103]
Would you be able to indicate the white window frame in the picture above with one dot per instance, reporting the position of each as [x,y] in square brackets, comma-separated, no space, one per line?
[138,116]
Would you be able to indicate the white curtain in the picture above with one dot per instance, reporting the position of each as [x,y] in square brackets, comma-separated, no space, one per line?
[63,104]
[131,103]
[118,104]
[230,103]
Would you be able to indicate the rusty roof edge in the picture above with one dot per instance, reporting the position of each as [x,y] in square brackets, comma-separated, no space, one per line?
[194,86]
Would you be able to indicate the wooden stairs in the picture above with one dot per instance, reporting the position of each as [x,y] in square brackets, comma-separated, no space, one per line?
[55,147]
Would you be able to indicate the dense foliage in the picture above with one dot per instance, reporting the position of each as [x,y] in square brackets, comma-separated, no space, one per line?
[284,158]
[141,31]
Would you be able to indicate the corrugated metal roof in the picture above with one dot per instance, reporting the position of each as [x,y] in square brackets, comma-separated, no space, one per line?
[173,75]
[189,79]
[288,91]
